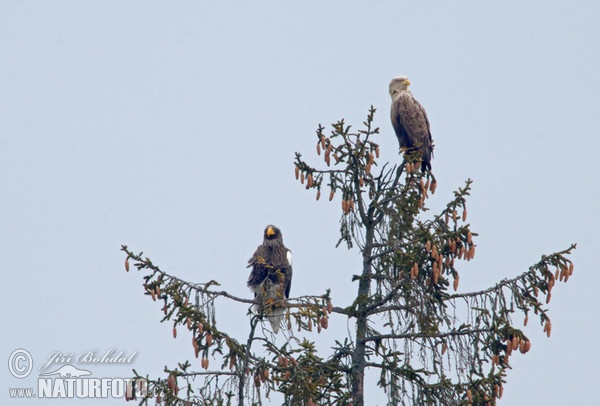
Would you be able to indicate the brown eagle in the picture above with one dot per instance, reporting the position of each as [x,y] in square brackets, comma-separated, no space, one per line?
[271,276]
[410,121]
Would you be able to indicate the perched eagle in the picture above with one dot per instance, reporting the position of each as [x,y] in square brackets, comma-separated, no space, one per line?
[271,276]
[410,121]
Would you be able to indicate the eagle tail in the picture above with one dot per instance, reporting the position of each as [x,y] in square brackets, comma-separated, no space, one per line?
[269,295]
[276,318]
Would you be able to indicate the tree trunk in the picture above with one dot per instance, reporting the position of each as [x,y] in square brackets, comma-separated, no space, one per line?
[359,356]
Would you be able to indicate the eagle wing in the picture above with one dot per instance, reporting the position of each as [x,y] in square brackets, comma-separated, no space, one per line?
[277,270]
[288,274]
[411,125]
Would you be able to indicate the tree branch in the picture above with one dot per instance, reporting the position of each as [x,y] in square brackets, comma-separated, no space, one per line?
[242,373]
[427,335]
[145,263]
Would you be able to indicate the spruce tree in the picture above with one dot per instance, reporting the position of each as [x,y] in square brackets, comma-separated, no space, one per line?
[411,326]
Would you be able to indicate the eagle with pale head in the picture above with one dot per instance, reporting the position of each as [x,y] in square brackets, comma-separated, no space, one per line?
[410,122]
[271,276]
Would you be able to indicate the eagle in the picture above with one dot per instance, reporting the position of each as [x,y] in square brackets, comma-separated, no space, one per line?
[271,276]
[410,121]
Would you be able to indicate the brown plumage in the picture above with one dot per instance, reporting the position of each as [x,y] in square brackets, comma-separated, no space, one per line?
[410,121]
[271,276]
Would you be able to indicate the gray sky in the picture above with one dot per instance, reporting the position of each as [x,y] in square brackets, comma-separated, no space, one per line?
[171,127]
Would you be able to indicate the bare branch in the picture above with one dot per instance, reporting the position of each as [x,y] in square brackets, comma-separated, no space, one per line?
[411,336]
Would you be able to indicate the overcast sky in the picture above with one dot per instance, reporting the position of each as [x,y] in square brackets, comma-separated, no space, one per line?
[171,127]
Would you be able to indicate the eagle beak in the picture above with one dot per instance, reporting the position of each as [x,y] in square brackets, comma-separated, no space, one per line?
[407,82]
[270,231]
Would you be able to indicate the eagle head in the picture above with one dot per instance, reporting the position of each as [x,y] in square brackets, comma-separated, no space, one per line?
[398,85]
[272,233]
